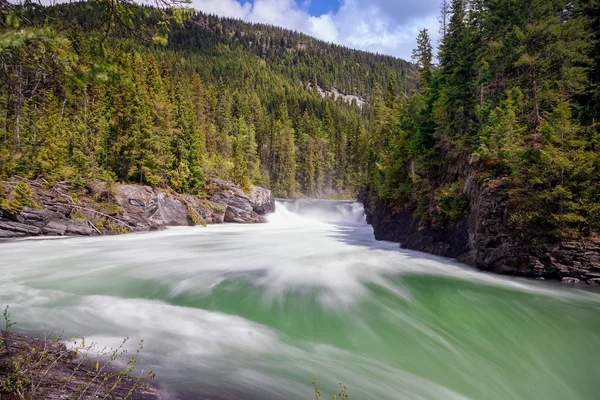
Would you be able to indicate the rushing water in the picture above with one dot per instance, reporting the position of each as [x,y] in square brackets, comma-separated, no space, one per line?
[254,311]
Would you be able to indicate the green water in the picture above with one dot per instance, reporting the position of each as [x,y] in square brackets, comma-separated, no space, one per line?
[253,312]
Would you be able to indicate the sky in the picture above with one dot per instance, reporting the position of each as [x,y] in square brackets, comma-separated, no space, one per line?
[382,26]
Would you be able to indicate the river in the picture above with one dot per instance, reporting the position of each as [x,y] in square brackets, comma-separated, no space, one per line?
[254,311]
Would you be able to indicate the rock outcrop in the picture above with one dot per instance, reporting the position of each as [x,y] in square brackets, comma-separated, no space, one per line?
[239,206]
[133,208]
[486,239]
[32,222]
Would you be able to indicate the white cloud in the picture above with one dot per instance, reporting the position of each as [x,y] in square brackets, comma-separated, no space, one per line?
[383,26]
[225,8]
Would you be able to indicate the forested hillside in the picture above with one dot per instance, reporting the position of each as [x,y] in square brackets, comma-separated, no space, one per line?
[88,92]
[487,149]
[501,142]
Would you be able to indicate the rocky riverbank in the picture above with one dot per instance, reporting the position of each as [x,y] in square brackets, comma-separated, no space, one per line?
[486,239]
[41,368]
[97,208]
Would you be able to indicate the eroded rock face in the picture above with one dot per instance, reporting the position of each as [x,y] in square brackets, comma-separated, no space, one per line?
[262,200]
[31,222]
[239,206]
[142,208]
[147,208]
[486,239]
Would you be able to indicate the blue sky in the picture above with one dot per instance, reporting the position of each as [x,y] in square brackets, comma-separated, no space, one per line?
[382,26]
[317,8]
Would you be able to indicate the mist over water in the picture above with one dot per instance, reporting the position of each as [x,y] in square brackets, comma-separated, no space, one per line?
[254,311]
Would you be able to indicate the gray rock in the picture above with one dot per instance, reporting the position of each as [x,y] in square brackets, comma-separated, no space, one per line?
[79,228]
[146,208]
[262,200]
[55,227]
[19,228]
[5,234]
[168,211]
[239,206]
[243,203]
[240,216]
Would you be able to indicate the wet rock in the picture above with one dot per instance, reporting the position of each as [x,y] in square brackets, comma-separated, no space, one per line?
[571,281]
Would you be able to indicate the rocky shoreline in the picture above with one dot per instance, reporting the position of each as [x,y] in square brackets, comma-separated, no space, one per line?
[48,369]
[100,208]
[485,239]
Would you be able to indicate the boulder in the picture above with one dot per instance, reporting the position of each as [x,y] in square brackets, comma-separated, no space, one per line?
[55,227]
[241,216]
[79,228]
[262,200]
[165,210]
[147,208]
[239,206]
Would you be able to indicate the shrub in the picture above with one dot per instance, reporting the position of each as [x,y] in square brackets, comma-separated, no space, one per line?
[319,396]
[452,203]
[22,196]
[31,372]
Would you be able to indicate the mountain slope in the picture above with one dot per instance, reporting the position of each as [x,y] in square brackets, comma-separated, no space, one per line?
[221,98]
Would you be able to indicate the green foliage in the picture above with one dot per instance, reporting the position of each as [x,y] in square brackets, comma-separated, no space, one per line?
[451,201]
[423,56]
[511,104]
[25,373]
[343,393]
[220,98]
[21,196]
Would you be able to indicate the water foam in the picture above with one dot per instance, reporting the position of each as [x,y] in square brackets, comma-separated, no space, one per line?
[253,311]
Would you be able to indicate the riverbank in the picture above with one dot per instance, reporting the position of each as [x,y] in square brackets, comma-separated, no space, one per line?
[45,368]
[484,237]
[101,208]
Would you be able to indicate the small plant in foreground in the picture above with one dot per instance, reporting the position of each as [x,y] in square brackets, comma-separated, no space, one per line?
[42,368]
[319,396]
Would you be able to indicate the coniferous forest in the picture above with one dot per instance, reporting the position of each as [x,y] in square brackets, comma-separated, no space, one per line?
[483,150]
[215,98]
[173,97]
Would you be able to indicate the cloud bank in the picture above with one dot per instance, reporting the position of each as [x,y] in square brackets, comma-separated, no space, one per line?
[382,26]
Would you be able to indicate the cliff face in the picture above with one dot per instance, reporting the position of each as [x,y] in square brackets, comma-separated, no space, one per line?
[486,239]
[100,209]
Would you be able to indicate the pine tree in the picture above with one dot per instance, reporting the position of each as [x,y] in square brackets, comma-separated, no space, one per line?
[423,56]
